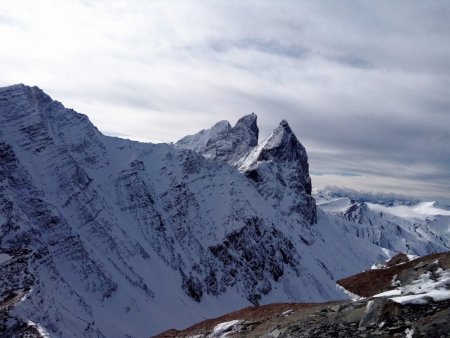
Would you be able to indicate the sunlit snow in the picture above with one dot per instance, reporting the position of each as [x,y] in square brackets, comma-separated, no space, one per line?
[426,287]
[4,258]
[420,210]
[223,329]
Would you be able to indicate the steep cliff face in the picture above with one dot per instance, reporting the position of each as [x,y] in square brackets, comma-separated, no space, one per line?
[279,168]
[113,238]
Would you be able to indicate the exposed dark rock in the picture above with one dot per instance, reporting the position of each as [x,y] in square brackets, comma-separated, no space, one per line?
[223,142]
[279,168]
[397,259]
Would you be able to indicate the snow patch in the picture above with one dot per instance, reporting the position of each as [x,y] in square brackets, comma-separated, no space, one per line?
[24,297]
[409,333]
[420,291]
[224,329]
[388,293]
[287,313]
[412,257]
[395,282]
[351,295]
[419,210]
[4,258]
[40,329]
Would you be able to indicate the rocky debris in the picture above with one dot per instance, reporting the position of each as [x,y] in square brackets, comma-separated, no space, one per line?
[399,258]
[18,328]
[252,320]
[375,318]
[367,317]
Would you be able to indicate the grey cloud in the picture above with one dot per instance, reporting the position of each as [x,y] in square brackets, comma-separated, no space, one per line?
[364,85]
[274,47]
[368,196]
[352,61]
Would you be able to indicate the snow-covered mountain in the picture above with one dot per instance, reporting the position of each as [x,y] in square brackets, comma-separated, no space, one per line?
[412,226]
[105,237]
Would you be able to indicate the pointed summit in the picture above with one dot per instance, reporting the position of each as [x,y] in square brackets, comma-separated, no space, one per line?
[279,168]
[283,145]
[280,145]
[284,124]
[248,125]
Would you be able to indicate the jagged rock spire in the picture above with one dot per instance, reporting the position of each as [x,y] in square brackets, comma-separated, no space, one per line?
[283,145]
[279,168]
[223,142]
[246,128]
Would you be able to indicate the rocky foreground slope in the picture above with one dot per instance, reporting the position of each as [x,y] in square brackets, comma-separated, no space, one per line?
[403,299]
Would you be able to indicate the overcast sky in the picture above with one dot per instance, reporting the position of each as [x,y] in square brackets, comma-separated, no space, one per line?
[365,85]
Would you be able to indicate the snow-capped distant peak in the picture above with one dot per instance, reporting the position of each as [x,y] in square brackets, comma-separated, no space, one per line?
[420,210]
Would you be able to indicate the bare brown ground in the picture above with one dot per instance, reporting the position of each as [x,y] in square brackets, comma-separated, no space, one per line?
[256,314]
[372,282]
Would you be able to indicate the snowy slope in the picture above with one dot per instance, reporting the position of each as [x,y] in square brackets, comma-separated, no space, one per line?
[417,228]
[114,238]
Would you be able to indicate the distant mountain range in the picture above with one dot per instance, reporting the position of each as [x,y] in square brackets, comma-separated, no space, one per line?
[106,237]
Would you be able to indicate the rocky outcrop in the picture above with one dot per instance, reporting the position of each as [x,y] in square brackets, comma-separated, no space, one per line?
[223,142]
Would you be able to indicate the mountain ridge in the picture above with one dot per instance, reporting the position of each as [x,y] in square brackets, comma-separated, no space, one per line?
[111,237]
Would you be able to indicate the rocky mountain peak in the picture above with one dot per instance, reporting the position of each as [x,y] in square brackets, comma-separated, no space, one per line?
[279,168]
[282,144]
[221,128]
[247,128]
[223,142]
[248,120]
